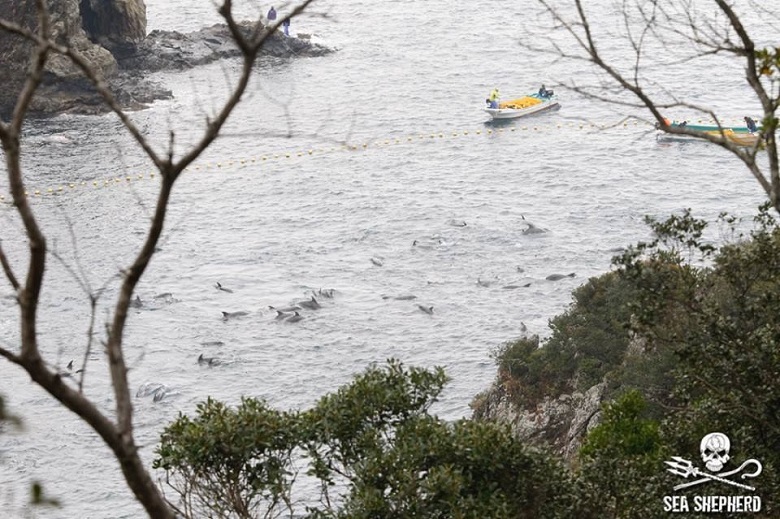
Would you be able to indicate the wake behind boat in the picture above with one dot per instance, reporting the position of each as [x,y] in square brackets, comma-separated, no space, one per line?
[520,107]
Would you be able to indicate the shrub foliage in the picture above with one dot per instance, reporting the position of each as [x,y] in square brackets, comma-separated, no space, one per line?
[684,334]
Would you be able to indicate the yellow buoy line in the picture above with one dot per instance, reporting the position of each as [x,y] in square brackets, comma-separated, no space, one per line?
[129,179]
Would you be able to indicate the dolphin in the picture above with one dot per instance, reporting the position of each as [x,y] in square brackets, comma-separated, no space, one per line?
[160,393]
[209,361]
[231,315]
[556,277]
[532,229]
[426,309]
[149,388]
[70,372]
[402,297]
[311,304]
[285,309]
[136,303]
[294,318]
[219,286]
[328,293]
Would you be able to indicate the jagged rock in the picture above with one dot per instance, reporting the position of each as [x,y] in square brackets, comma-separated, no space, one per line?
[111,35]
[66,27]
[559,424]
[171,50]
[115,24]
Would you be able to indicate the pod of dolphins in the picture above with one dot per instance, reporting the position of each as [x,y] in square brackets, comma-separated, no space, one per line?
[296,312]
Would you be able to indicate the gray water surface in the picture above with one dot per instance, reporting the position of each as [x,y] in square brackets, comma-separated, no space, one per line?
[272,230]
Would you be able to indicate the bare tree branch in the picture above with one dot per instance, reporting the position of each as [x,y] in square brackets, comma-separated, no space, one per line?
[9,273]
[117,435]
[706,37]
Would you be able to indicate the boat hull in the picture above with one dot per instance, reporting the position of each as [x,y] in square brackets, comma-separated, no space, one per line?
[739,135]
[544,104]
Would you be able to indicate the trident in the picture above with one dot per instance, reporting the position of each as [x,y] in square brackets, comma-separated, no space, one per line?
[685,468]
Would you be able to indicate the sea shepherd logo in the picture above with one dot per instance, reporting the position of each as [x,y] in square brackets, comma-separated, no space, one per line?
[714,450]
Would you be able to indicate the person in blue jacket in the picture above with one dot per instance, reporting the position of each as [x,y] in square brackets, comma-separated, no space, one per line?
[271,14]
[286,25]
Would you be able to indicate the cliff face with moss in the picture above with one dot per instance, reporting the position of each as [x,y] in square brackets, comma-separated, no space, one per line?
[551,392]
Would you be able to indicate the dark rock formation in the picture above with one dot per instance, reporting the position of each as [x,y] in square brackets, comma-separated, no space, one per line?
[111,35]
[171,50]
[114,24]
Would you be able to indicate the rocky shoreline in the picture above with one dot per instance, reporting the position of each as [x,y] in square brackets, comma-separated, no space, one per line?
[171,50]
[123,58]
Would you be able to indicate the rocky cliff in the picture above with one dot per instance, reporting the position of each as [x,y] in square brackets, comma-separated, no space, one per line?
[111,35]
[67,28]
[556,423]
[114,24]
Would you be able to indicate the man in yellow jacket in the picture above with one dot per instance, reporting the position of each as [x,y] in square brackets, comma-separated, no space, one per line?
[492,100]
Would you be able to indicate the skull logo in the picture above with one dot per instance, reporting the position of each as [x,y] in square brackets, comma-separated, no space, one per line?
[715,450]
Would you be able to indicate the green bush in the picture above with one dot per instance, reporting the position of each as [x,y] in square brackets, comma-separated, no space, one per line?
[230,462]
[588,343]
[375,450]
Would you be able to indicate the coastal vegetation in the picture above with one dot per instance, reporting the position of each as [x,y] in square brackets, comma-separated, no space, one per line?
[372,448]
[681,338]
[690,347]
[682,334]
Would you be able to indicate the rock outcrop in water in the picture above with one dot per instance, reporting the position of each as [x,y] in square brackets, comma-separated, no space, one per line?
[171,50]
[111,35]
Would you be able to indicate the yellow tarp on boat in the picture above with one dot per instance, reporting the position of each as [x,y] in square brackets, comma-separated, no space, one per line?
[520,103]
[742,139]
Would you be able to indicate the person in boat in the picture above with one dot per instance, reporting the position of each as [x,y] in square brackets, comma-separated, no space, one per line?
[751,124]
[493,98]
[271,14]
[544,93]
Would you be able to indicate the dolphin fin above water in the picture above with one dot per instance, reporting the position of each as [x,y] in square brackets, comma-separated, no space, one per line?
[426,309]
[219,286]
[294,318]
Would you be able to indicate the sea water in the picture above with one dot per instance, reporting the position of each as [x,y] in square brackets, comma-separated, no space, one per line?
[372,172]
